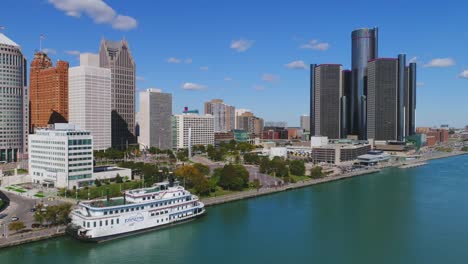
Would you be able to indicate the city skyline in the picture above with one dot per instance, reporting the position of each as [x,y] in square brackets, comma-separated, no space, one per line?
[243,63]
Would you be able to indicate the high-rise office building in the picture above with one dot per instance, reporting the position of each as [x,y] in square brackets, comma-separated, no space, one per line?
[305,122]
[90,99]
[192,129]
[116,56]
[382,99]
[391,100]
[410,100]
[346,103]
[326,93]
[155,119]
[249,122]
[224,115]
[48,91]
[14,101]
[364,49]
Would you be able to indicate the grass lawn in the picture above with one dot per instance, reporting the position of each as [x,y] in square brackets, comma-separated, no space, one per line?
[16,189]
[22,171]
[300,178]
[1,203]
[39,195]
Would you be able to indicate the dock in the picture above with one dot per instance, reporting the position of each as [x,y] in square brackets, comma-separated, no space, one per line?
[412,165]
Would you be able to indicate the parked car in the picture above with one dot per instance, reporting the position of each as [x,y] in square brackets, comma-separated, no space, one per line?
[14,218]
[32,210]
[3,216]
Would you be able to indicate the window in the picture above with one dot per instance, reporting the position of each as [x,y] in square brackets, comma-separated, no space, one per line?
[100,223]
[117,221]
[105,212]
[112,221]
[107,222]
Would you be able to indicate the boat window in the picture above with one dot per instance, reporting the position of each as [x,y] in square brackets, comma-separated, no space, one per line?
[111,212]
[87,224]
[100,223]
[112,221]
[133,209]
[126,210]
[107,222]
[116,212]
[117,221]
[84,223]
[173,194]
[94,224]
[105,212]
[153,197]
[121,210]
[142,208]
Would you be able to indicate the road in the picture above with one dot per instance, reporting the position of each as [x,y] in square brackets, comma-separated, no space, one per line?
[20,207]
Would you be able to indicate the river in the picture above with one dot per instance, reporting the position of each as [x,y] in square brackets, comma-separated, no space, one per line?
[417,215]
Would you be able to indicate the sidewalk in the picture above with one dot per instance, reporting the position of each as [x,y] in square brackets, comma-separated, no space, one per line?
[37,235]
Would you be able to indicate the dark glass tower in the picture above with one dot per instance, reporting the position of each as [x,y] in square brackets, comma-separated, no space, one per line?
[410,99]
[364,48]
[326,90]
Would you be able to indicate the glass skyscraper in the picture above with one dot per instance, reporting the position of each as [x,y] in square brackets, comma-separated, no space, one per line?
[364,49]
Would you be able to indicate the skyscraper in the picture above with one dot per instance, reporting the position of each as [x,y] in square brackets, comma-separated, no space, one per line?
[391,100]
[224,115]
[364,48]
[14,97]
[382,99]
[116,56]
[90,99]
[155,119]
[48,91]
[326,91]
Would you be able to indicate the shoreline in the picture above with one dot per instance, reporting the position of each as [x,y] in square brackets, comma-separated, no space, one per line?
[51,233]
[302,184]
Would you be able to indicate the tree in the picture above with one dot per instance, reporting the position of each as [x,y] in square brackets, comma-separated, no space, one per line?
[182,155]
[193,178]
[256,184]
[251,158]
[118,178]
[205,170]
[39,215]
[16,226]
[316,172]
[297,167]
[97,182]
[465,149]
[279,167]
[233,177]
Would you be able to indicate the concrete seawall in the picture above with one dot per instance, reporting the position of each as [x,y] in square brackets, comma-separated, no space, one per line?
[33,236]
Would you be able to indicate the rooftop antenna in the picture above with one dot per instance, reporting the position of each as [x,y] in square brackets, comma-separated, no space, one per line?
[41,37]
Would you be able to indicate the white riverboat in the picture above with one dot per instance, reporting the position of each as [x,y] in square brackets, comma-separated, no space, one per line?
[137,211]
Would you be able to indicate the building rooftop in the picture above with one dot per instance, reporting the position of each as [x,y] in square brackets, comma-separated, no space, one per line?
[6,41]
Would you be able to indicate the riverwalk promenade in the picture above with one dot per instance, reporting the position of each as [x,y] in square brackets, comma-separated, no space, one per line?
[32,236]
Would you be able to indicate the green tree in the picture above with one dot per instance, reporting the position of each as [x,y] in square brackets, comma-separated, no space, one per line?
[97,182]
[16,226]
[279,167]
[297,167]
[256,184]
[205,170]
[464,149]
[182,155]
[251,158]
[233,177]
[39,215]
[118,178]
[316,172]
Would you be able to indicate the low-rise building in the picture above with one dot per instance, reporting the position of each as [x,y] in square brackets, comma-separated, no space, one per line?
[61,156]
[373,158]
[338,153]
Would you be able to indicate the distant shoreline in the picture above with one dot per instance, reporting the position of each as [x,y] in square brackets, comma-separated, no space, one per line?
[301,184]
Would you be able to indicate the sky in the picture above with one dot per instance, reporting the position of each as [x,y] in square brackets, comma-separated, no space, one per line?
[255,54]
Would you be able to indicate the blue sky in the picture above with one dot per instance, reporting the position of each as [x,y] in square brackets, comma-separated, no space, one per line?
[239,50]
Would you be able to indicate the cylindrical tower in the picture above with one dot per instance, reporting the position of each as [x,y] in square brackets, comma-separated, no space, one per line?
[364,48]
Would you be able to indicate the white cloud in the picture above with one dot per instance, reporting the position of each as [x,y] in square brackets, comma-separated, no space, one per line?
[188,61]
[258,87]
[316,45]
[204,68]
[413,59]
[140,78]
[419,84]
[97,10]
[241,45]
[49,51]
[227,79]
[268,77]
[73,52]
[173,60]
[463,74]
[193,86]
[440,63]
[296,65]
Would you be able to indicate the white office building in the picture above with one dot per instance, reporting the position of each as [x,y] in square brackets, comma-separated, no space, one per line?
[200,126]
[61,156]
[14,103]
[90,99]
[155,119]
